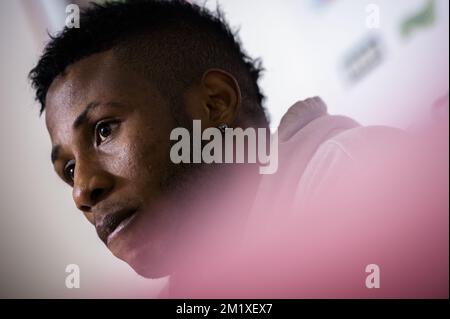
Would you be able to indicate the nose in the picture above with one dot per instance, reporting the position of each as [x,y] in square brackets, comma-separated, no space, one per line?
[92,184]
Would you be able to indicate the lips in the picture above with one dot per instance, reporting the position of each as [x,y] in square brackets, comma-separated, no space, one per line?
[113,223]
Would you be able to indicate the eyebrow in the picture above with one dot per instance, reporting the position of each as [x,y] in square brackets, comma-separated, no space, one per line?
[84,115]
[55,153]
[56,149]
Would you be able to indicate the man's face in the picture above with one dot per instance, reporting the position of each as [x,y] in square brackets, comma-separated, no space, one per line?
[110,135]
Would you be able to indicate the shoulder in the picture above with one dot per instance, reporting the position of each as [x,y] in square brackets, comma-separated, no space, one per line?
[349,156]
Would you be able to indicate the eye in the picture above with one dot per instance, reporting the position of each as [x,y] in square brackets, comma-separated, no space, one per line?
[104,130]
[69,170]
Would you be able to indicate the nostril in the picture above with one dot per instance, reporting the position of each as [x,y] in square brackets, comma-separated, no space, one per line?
[85,209]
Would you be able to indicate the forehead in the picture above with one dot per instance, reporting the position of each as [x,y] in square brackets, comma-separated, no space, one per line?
[97,78]
[81,81]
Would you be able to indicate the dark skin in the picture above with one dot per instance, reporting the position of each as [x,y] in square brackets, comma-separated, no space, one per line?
[110,129]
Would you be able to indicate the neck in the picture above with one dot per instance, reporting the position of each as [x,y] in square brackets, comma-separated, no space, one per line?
[216,217]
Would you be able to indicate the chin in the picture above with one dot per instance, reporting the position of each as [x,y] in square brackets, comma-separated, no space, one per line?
[149,260]
[151,270]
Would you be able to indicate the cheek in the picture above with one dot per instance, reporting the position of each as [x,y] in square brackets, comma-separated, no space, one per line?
[151,155]
[140,159]
[130,161]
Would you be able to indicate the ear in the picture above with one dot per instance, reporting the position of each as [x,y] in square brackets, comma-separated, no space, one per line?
[221,97]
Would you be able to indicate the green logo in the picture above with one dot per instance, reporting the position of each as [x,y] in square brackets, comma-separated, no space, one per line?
[425,17]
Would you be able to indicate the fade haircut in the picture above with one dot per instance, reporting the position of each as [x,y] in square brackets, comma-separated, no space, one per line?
[170,42]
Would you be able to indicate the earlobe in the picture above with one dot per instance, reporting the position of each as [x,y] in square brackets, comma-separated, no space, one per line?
[223,96]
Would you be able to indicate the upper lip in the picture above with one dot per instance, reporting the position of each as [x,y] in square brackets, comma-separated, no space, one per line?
[106,225]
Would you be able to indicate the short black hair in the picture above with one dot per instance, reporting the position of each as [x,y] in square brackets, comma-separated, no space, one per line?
[172,42]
